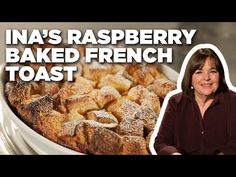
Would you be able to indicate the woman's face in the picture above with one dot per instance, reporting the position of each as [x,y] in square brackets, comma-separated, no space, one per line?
[205,81]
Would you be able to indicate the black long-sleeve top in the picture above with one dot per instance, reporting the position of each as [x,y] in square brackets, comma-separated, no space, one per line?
[184,130]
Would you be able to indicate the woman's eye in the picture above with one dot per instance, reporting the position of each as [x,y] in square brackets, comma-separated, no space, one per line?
[213,71]
[198,72]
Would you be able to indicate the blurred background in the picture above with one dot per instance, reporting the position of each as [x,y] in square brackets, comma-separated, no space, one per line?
[221,34]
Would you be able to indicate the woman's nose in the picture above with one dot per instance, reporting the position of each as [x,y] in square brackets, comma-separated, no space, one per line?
[206,76]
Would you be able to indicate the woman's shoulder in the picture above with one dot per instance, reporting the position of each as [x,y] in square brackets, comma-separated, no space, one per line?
[177,97]
[230,94]
[230,98]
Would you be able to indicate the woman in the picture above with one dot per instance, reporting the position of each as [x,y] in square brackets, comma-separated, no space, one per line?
[202,118]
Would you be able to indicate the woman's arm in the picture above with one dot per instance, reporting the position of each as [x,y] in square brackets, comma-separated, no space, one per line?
[164,141]
[230,147]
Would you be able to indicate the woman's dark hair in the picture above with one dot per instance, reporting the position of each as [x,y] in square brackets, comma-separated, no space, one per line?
[197,61]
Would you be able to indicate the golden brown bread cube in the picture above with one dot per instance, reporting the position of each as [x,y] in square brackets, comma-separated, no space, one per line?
[126,75]
[146,99]
[123,108]
[137,93]
[74,115]
[50,88]
[105,95]
[94,93]
[67,90]
[102,116]
[19,92]
[134,145]
[49,125]
[86,130]
[152,69]
[161,87]
[59,100]
[105,142]
[84,133]
[133,127]
[148,117]
[117,81]
[35,107]
[131,68]
[74,143]
[117,68]
[74,136]
[77,88]
[151,101]
[81,103]
[94,71]
[143,76]
[85,82]
[68,127]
